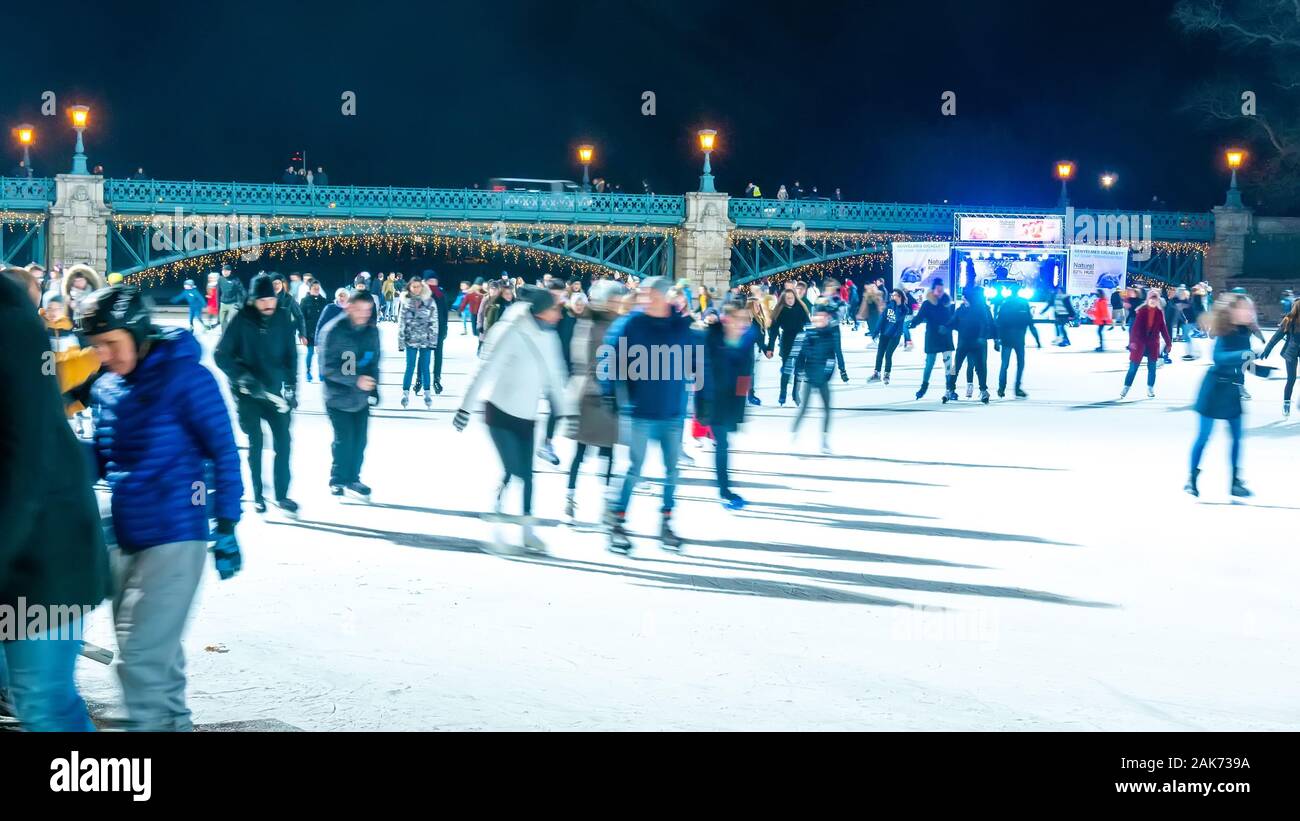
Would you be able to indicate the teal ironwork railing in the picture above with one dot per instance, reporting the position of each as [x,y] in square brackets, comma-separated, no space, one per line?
[155,196]
[833,215]
[26,193]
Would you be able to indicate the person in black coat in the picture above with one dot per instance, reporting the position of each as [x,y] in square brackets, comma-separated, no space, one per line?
[1287,333]
[788,321]
[52,552]
[312,305]
[936,314]
[974,326]
[257,353]
[1015,317]
[816,354]
[285,302]
[1232,326]
[727,379]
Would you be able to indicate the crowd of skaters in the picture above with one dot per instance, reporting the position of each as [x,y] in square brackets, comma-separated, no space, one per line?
[547,357]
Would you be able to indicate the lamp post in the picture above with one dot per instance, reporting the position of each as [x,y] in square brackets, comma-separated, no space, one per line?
[708,138]
[80,115]
[25,134]
[1235,157]
[1108,181]
[585,152]
[1064,170]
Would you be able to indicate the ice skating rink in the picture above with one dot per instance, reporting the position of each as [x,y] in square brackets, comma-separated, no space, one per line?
[1019,566]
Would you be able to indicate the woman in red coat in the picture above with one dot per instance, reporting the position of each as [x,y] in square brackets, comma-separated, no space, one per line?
[1144,337]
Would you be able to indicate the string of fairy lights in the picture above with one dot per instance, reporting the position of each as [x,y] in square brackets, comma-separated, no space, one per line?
[316,237]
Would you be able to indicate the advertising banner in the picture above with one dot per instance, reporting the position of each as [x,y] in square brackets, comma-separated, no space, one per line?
[1046,229]
[1096,266]
[916,264]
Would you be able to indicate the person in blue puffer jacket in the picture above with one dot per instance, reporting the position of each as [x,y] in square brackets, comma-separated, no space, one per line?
[159,418]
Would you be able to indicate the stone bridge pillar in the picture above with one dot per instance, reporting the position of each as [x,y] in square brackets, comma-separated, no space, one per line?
[1226,259]
[703,248]
[78,224]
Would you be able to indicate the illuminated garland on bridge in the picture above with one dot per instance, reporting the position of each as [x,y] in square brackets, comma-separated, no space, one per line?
[457,239]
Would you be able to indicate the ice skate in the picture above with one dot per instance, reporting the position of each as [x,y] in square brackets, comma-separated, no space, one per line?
[259,505]
[532,543]
[984,396]
[875,377]
[619,541]
[733,501]
[547,453]
[1151,393]
[1286,408]
[437,386]
[359,490]
[1191,487]
[336,490]
[570,507]
[667,538]
[1020,394]
[970,389]
[1239,489]
[885,379]
[288,507]
[406,398]
[921,392]
[428,401]
[1123,392]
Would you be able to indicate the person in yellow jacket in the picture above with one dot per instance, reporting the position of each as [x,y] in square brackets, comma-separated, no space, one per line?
[74,365]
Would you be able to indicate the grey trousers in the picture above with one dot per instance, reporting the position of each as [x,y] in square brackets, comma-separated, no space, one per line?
[227,313]
[154,590]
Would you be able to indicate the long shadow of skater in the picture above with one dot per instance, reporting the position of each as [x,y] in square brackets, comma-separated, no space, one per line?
[833,553]
[905,583]
[826,477]
[917,462]
[464,514]
[909,529]
[729,586]
[420,540]
[843,510]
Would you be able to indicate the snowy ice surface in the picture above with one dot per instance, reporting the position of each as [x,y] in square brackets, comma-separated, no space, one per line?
[1026,565]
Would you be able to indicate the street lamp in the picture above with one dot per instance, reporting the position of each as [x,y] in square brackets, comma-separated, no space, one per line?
[25,134]
[1064,170]
[585,152]
[1235,157]
[708,138]
[1108,180]
[80,115]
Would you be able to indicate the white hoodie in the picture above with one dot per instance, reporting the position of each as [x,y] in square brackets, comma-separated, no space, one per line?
[520,362]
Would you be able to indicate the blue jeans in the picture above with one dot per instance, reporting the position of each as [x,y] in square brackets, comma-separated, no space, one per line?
[417,357]
[311,351]
[1203,436]
[668,433]
[41,682]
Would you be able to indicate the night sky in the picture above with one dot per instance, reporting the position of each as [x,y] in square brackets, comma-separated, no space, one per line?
[450,94]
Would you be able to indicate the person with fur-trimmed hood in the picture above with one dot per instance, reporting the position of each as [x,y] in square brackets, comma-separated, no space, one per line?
[75,362]
[79,282]
[258,356]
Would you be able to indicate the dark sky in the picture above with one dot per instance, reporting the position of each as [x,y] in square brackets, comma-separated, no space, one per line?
[449,94]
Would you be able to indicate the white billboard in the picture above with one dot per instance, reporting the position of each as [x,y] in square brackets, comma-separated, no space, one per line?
[1096,266]
[916,264]
[1047,230]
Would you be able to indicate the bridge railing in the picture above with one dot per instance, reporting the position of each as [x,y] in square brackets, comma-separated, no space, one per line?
[754,212]
[26,193]
[155,196]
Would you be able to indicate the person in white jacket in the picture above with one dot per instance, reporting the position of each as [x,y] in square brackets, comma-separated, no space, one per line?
[521,361]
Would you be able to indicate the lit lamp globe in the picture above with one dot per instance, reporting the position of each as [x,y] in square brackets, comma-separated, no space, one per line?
[80,116]
[1064,171]
[585,153]
[26,134]
[1235,157]
[708,139]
